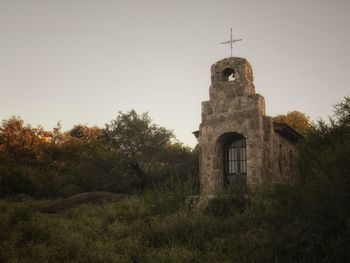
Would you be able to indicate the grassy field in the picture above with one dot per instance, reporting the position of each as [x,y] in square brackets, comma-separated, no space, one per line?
[272,225]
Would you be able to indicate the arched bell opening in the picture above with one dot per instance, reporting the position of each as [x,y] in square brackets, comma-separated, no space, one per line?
[228,74]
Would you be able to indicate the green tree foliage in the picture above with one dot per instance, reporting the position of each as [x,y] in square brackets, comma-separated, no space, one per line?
[138,141]
[20,150]
[57,135]
[131,153]
[51,164]
[327,149]
[342,111]
[297,120]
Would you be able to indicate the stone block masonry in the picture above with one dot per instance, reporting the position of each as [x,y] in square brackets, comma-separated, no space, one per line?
[238,143]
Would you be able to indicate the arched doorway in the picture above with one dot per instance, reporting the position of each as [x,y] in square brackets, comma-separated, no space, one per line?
[234,158]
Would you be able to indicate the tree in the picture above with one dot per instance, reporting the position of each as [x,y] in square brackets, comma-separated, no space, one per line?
[327,147]
[19,140]
[297,120]
[342,111]
[85,133]
[57,135]
[138,141]
[20,149]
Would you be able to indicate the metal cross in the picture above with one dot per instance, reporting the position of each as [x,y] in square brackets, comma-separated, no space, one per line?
[231,41]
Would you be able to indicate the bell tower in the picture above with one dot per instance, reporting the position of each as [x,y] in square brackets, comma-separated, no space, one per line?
[231,134]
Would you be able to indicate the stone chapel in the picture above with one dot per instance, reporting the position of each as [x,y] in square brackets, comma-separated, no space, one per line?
[238,143]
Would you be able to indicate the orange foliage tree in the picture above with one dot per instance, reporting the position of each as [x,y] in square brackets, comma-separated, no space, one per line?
[19,140]
[84,133]
[297,120]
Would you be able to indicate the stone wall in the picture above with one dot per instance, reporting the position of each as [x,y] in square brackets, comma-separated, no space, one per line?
[279,154]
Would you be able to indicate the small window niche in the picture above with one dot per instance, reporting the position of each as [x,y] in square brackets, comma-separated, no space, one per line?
[228,74]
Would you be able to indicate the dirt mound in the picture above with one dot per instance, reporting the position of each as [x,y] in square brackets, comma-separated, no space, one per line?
[83,198]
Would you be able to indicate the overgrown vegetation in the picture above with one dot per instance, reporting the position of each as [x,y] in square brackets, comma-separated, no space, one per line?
[307,221]
[129,154]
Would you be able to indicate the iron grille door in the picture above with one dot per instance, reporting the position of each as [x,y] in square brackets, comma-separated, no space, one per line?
[235,161]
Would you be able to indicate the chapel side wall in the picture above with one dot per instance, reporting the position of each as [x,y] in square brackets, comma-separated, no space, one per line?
[280,154]
[285,158]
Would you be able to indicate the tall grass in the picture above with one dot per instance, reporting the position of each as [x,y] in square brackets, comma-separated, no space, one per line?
[276,223]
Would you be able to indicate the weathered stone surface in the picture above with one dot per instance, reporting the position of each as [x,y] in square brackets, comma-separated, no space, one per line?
[198,202]
[234,107]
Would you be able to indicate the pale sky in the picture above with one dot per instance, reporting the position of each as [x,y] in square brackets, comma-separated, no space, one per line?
[82,61]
